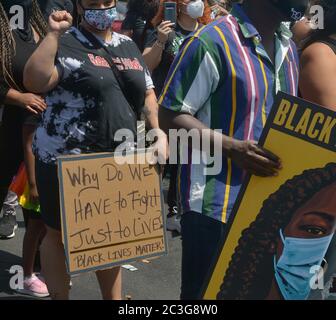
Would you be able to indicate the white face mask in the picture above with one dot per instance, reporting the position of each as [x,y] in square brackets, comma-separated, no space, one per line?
[195,9]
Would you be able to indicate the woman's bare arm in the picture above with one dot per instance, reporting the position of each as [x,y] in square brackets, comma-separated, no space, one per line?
[40,73]
[318,75]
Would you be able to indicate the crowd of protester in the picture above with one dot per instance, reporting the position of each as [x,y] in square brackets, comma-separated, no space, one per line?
[216,67]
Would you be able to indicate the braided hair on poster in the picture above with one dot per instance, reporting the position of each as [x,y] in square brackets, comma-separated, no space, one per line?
[250,272]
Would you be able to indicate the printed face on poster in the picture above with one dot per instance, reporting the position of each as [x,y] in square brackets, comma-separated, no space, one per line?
[111,213]
[279,238]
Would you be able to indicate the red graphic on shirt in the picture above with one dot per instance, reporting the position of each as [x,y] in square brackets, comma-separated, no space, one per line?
[98,61]
[122,64]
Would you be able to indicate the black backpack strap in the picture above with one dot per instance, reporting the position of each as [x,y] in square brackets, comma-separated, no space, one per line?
[103,52]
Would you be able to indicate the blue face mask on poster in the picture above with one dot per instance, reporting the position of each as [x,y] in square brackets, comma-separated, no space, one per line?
[100,19]
[292,271]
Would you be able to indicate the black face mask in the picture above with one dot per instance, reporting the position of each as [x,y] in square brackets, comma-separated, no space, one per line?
[27,9]
[293,10]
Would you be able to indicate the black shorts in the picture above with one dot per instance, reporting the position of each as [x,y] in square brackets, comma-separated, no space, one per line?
[48,189]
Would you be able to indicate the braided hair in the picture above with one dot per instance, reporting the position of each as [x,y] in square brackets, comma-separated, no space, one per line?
[7,47]
[250,272]
[7,42]
[37,20]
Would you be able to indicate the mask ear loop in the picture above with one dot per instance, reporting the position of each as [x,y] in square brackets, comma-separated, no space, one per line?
[283,241]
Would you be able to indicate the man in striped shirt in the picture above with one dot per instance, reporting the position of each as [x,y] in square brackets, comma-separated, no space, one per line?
[226,77]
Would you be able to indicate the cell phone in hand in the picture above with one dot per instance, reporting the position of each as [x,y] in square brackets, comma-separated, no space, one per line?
[170,12]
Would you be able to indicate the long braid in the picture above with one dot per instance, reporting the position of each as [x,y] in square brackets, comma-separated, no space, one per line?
[250,272]
[37,20]
[7,48]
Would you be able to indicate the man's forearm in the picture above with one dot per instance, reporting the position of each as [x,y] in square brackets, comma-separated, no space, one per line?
[174,120]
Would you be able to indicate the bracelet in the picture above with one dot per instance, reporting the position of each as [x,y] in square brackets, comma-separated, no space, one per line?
[160,44]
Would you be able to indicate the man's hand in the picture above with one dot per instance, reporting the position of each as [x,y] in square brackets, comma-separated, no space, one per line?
[60,22]
[255,159]
[160,149]
[32,102]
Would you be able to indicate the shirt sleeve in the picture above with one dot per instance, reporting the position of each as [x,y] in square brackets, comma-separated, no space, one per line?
[149,81]
[192,78]
[136,53]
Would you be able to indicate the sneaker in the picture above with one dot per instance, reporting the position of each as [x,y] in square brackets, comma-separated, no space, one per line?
[174,222]
[33,286]
[8,225]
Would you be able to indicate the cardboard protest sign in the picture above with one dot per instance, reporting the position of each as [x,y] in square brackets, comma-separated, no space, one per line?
[111,213]
[282,226]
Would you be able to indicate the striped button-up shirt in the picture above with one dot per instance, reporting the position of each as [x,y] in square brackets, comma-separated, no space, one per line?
[224,77]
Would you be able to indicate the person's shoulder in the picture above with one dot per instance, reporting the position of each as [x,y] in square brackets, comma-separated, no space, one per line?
[219,29]
[318,65]
[320,55]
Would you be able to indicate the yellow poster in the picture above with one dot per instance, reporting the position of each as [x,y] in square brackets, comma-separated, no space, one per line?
[282,227]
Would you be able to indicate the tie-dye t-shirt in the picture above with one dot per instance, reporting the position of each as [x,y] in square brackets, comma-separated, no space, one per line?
[87,90]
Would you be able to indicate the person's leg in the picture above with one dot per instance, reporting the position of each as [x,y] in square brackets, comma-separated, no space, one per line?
[37,262]
[53,264]
[174,215]
[110,283]
[172,191]
[52,249]
[201,237]
[31,240]
[32,284]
